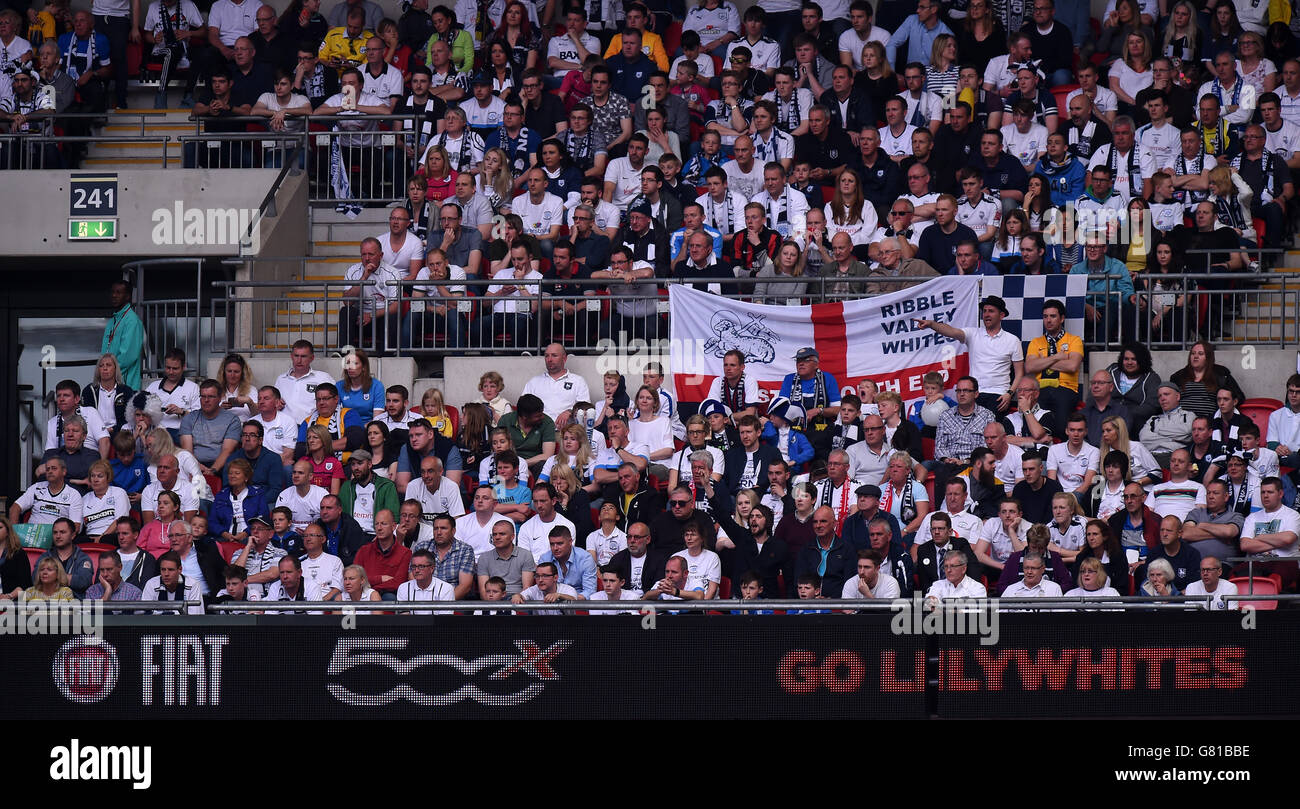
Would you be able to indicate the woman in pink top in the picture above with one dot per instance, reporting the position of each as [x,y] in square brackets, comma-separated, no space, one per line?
[153,537]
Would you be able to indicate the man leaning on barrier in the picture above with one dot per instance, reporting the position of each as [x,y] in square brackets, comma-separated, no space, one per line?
[172,585]
[955,583]
[109,585]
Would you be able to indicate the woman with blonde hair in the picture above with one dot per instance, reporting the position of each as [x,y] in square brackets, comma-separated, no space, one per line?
[574,451]
[1067,526]
[1092,580]
[15,565]
[1132,74]
[1232,197]
[1253,66]
[51,583]
[239,393]
[746,501]
[104,503]
[877,77]
[1182,38]
[326,469]
[494,180]
[356,585]
[571,500]
[1114,436]
[941,73]
[108,395]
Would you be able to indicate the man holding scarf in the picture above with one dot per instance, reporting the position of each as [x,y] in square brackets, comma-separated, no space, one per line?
[1055,358]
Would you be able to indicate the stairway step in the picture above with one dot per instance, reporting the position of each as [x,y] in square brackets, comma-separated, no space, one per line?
[314,295]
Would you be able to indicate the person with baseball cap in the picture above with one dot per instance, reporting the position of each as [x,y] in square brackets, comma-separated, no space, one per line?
[816,393]
[997,360]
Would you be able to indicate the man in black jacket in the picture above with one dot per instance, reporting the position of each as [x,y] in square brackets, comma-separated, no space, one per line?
[954,144]
[145,566]
[929,556]
[667,529]
[829,556]
[639,557]
[747,464]
[205,553]
[635,500]
[850,107]
[343,535]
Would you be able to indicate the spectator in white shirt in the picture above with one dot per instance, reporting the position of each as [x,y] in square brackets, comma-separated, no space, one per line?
[1212,584]
[1273,530]
[297,386]
[869,583]
[1284,426]
[1033,585]
[558,388]
[423,585]
[955,583]
[548,589]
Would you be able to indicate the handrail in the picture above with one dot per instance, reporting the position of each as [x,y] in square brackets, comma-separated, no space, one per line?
[831,605]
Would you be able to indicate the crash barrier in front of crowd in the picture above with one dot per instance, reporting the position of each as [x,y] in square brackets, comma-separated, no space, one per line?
[590,315]
[871,665]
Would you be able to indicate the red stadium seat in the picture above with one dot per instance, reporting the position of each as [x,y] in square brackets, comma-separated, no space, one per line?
[1259,226]
[214,481]
[1061,93]
[34,555]
[94,549]
[672,38]
[927,449]
[929,489]
[1258,411]
[1259,585]
[229,549]
[724,587]
[453,413]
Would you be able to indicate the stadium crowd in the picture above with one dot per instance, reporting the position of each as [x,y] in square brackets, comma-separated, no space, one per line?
[316,488]
[795,147]
[834,146]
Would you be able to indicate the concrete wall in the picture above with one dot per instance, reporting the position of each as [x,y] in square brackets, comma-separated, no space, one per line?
[38,225]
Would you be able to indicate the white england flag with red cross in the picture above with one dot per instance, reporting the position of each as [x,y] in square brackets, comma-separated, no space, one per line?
[869,338]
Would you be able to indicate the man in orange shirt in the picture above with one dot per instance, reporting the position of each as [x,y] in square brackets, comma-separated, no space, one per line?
[1055,359]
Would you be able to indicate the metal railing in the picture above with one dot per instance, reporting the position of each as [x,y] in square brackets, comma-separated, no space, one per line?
[373,162]
[439,324]
[241,150]
[1255,307]
[178,322]
[829,605]
[35,151]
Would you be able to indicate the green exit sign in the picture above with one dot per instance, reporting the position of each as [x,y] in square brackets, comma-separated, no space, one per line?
[104,230]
